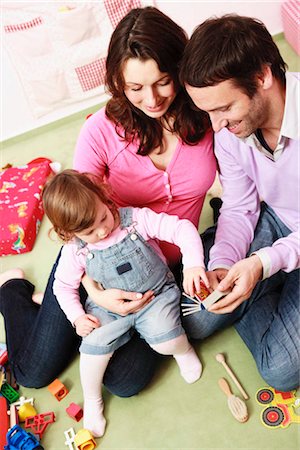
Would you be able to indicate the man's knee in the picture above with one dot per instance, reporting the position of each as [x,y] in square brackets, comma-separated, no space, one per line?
[281,377]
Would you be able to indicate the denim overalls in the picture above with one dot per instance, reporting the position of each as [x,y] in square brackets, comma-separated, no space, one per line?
[132,265]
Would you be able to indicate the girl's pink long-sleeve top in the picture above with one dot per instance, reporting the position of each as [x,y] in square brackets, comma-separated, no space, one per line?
[151,226]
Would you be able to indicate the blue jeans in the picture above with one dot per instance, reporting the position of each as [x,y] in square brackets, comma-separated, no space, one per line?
[269,321]
[41,342]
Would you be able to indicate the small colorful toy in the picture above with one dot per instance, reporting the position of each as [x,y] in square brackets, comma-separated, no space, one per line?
[26,410]
[70,436]
[13,415]
[84,440]
[58,389]
[75,411]
[280,411]
[17,438]
[4,422]
[202,300]
[3,354]
[39,423]
[8,392]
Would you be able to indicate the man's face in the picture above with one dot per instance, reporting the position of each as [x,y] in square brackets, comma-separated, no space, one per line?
[228,106]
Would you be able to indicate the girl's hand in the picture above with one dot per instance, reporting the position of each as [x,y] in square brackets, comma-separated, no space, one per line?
[215,276]
[85,324]
[191,280]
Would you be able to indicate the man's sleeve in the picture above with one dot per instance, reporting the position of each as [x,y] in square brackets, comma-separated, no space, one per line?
[240,209]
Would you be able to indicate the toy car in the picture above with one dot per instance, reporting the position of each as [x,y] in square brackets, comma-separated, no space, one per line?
[280,407]
[19,439]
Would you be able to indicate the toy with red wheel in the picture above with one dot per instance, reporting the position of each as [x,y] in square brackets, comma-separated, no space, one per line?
[273,416]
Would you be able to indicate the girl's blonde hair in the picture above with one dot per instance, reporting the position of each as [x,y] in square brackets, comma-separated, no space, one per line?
[69,200]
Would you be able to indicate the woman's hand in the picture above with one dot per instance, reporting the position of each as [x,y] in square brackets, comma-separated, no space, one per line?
[85,324]
[116,300]
[241,279]
[122,302]
[192,278]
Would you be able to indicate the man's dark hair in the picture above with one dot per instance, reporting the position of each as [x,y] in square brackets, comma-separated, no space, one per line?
[230,47]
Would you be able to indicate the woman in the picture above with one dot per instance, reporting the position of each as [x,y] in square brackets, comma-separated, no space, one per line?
[155,151]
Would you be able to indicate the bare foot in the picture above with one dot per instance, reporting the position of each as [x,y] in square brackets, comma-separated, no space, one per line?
[10,275]
[38,298]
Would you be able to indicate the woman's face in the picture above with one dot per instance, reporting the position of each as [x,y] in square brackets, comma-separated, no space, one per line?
[147,88]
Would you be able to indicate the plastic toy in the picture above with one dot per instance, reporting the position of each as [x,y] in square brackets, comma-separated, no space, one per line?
[280,411]
[75,411]
[26,410]
[58,389]
[13,415]
[221,359]
[4,422]
[17,438]
[237,406]
[39,423]
[84,440]
[70,436]
[8,392]
[2,376]
[3,354]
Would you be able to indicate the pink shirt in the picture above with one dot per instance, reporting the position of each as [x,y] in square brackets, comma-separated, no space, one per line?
[179,190]
[150,225]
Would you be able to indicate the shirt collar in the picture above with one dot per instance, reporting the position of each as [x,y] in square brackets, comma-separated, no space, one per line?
[291,118]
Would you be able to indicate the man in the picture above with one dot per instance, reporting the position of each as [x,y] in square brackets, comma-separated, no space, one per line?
[233,70]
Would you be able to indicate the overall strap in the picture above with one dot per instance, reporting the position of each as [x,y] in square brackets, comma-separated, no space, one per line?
[125,217]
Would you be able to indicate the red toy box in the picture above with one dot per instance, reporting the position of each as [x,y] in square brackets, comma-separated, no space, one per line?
[290,13]
[20,205]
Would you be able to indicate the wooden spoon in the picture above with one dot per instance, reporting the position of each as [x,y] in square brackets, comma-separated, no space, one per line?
[221,359]
[237,406]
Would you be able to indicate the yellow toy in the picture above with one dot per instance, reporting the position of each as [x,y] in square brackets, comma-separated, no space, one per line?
[84,440]
[280,411]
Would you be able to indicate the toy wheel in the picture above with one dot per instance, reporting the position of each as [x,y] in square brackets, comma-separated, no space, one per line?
[272,416]
[264,396]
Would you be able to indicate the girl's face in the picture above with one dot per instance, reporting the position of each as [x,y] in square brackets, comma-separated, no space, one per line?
[147,88]
[103,226]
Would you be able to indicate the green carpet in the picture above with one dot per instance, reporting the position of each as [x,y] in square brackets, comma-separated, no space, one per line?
[168,414]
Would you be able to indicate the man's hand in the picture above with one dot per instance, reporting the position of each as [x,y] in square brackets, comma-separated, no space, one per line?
[85,324]
[192,278]
[241,279]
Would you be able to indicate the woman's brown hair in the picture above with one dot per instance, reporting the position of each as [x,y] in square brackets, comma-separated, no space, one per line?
[69,200]
[147,33]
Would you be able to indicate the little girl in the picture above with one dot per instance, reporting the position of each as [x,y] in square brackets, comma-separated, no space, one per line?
[117,248]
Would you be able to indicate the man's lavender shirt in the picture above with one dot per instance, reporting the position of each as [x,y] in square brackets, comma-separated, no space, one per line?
[249,176]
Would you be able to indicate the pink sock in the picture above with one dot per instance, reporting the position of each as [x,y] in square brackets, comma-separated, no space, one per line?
[185,356]
[189,365]
[92,368]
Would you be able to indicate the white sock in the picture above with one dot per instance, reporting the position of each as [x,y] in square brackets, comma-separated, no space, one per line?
[189,365]
[185,356]
[92,368]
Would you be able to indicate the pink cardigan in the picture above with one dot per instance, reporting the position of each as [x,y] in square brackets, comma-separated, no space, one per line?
[179,190]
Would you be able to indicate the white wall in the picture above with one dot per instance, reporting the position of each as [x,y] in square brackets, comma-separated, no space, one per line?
[189,14]
[16,114]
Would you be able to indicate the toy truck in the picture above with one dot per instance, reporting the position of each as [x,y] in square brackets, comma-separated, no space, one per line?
[280,411]
[19,439]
